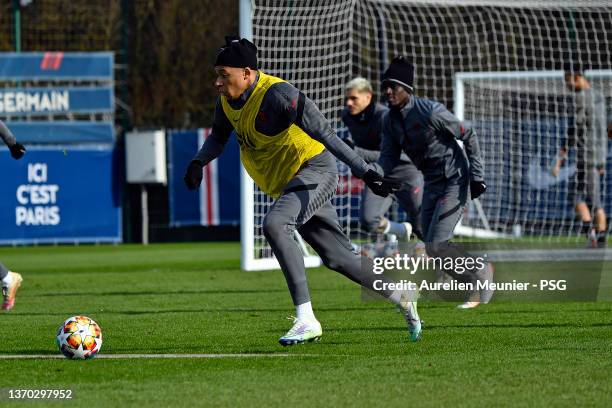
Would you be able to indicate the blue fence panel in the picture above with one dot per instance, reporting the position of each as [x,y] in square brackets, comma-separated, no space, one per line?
[217,202]
[63,132]
[61,195]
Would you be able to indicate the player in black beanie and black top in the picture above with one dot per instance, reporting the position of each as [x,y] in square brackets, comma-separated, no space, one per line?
[428,133]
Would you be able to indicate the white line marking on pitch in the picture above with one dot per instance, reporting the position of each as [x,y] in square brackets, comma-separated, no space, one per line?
[128,356]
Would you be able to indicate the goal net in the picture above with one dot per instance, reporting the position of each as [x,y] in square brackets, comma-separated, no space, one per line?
[320,45]
[523,119]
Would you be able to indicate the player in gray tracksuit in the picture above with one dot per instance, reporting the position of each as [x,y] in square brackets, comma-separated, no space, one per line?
[276,124]
[364,118]
[10,280]
[587,133]
[428,133]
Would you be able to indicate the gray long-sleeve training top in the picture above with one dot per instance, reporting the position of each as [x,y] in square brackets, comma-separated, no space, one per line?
[587,130]
[428,133]
[365,129]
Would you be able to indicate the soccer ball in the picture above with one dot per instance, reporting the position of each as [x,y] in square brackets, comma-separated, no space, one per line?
[79,337]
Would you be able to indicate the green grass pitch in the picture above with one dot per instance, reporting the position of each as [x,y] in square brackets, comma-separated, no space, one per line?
[192,298]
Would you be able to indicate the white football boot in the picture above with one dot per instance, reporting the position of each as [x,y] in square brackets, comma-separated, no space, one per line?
[483,295]
[301,332]
[9,292]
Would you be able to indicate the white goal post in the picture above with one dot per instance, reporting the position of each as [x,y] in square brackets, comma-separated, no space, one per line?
[255,253]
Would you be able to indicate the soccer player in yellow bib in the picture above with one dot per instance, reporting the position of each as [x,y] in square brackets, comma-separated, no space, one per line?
[288,147]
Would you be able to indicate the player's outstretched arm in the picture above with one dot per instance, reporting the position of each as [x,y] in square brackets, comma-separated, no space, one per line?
[16,148]
[370,156]
[311,120]
[316,126]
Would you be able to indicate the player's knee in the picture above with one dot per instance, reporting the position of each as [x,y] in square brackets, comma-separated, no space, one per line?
[334,263]
[275,227]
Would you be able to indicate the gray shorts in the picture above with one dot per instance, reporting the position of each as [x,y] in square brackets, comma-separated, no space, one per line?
[587,188]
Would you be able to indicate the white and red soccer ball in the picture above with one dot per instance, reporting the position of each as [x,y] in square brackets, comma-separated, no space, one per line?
[79,338]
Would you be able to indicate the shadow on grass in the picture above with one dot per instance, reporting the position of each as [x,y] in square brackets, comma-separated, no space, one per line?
[170,293]
[46,352]
[537,311]
[472,326]
[161,292]
[248,311]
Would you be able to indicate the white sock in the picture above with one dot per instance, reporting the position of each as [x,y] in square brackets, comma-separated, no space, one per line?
[409,307]
[396,297]
[392,237]
[396,228]
[8,279]
[304,311]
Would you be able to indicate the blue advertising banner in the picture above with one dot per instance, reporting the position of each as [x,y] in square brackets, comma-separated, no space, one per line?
[60,195]
[31,101]
[217,202]
[56,65]
[63,132]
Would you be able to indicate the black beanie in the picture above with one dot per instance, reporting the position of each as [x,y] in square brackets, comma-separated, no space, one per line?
[401,72]
[238,53]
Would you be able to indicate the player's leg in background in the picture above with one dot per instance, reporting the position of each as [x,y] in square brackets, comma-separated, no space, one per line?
[443,205]
[601,223]
[583,212]
[372,210]
[323,232]
[410,198]
[11,281]
[579,192]
[435,200]
[593,191]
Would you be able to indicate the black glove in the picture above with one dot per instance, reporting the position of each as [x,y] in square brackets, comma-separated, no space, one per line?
[194,174]
[17,151]
[380,185]
[477,188]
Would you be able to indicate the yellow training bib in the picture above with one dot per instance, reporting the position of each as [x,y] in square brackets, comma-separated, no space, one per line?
[270,160]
